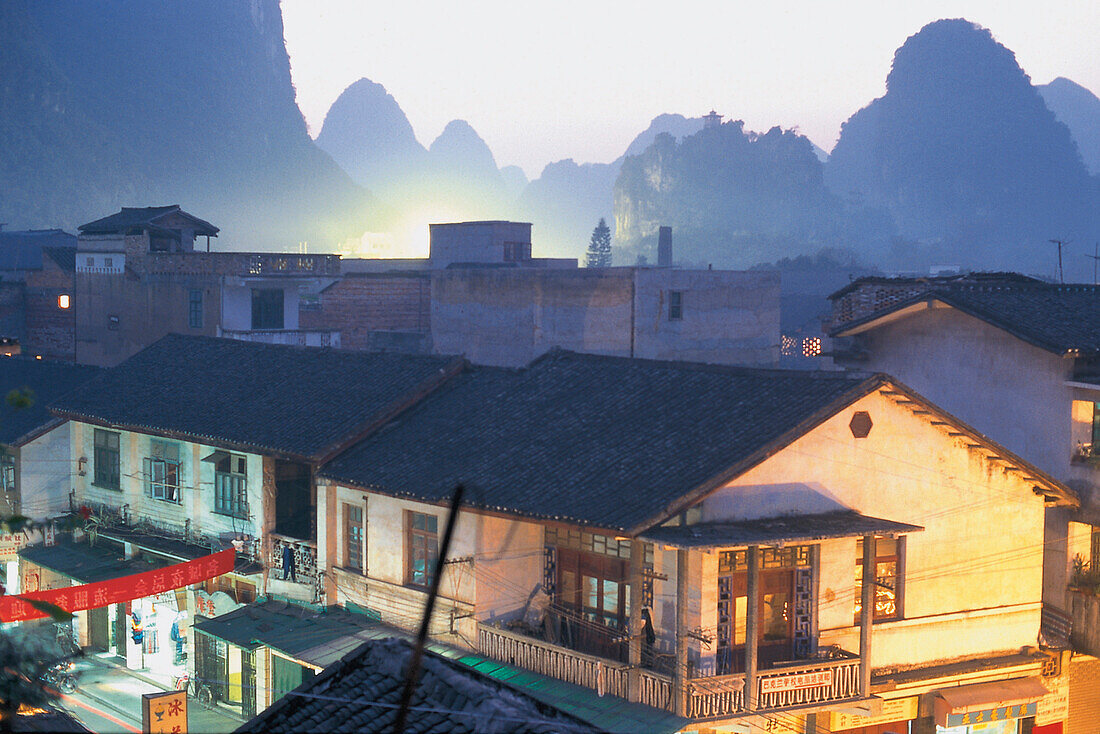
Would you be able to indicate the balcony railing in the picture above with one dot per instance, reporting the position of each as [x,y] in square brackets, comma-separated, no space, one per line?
[708,697]
[299,337]
[304,553]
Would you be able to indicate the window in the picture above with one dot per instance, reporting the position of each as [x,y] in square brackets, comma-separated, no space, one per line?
[194,308]
[106,458]
[7,471]
[231,487]
[63,301]
[353,537]
[675,305]
[267,308]
[888,554]
[162,471]
[423,547]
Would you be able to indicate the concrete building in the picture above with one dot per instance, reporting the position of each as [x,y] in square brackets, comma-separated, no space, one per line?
[691,537]
[139,277]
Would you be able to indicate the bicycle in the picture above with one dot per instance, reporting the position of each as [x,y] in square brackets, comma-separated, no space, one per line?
[199,691]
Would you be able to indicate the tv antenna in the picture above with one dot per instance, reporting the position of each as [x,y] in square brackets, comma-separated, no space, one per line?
[1061,278]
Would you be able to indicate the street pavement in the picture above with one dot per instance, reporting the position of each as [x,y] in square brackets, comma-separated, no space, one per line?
[108,700]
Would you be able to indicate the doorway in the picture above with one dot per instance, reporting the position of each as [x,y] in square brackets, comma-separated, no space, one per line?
[774,623]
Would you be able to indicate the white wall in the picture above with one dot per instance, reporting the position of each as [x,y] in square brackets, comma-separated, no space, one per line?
[46,471]
[237,302]
[973,577]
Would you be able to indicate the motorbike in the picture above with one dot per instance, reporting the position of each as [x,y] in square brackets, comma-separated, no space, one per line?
[61,676]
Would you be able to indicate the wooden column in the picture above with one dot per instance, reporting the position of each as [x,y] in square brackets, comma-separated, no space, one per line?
[634,652]
[867,595]
[752,621]
[679,673]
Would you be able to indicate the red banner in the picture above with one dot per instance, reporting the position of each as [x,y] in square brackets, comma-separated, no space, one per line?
[122,589]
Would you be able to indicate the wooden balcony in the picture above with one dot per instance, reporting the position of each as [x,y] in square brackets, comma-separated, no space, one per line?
[306,582]
[708,697]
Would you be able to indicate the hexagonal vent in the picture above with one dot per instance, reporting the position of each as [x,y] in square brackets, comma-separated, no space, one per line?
[860,424]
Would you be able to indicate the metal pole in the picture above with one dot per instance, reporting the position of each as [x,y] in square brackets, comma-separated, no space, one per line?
[413,671]
[867,595]
[752,619]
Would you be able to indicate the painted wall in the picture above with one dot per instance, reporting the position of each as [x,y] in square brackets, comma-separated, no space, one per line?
[1009,390]
[237,302]
[45,473]
[196,486]
[973,577]
[510,316]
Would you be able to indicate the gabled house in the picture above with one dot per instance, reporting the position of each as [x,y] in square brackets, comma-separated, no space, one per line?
[197,444]
[738,546]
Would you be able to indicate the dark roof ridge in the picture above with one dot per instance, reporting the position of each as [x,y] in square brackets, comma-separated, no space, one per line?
[733,369]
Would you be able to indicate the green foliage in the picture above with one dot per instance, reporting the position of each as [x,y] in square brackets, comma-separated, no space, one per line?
[1085,577]
[599,247]
[24,658]
[19,398]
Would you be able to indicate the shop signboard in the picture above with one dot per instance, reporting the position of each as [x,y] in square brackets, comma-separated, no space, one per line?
[164,712]
[1017,711]
[120,590]
[796,681]
[893,711]
[11,544]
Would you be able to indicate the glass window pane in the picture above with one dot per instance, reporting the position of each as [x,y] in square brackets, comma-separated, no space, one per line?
[610,596]
[774,615]
[591,592]
[740,619]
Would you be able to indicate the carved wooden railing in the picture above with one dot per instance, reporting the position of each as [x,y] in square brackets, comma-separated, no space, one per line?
[299,337]
[305,558]
[553,661]
[807,683]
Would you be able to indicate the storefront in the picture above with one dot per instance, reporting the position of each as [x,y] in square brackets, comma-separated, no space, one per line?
[998,707]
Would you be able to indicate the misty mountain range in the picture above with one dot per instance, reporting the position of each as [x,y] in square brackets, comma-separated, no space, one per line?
[963,161]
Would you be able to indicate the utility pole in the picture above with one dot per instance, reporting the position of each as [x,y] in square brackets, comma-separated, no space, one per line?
[1061,278]
[412,672]
[1095,258]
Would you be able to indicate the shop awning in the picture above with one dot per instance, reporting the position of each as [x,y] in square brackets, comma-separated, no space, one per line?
[776,530]
[318,638]
[993,701]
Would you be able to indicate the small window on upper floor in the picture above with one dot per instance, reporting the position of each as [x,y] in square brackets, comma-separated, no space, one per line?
[675,305]
[267,308]
[63,301]
[105,459]
[162,471]
[422,547]
[194,308]
[889,554]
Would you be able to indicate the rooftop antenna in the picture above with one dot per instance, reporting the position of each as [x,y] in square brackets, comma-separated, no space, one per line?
[1061,279]
[1095,258]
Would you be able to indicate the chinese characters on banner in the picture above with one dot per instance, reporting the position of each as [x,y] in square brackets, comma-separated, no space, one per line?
[164,712]
[120,590]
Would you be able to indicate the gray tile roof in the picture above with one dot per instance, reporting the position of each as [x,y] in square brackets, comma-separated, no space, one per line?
[297,401]
[1059,318]
[602,441]
[22,250]
[775,530]
[129,218]
[362,693]
[48,380]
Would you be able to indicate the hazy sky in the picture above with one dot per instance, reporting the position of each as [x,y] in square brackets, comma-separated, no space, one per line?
[545,81]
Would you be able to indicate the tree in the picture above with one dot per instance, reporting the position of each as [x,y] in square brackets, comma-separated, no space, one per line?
[25,658]
[599,247]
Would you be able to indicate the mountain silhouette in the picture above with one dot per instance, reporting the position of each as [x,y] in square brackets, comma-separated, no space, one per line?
[120,104]
[965,156]
[1079,110]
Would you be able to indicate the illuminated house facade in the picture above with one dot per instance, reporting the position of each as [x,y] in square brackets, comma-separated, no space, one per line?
[692,538]
[198,444]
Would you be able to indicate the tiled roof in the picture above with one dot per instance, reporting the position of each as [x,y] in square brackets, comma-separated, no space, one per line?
[362,692]
[22,250]
[65,257]
[299,401]
[48,380]
[89,563]
[1059,318]
[602,441]
[136,217]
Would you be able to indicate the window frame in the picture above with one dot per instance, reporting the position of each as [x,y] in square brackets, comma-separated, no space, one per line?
[898,559]
[265,315]
[102,454]
[415,536]
[7,471]
[166,467]
[194,308]
[355,535]
[237,490]
[675,305]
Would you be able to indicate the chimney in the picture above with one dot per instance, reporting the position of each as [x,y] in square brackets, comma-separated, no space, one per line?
[664,247]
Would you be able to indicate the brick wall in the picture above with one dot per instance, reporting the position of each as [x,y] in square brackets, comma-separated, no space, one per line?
[50,329]
[358,305]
